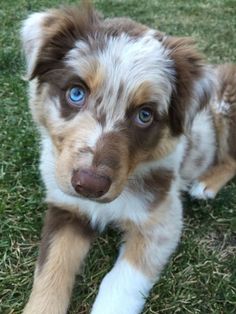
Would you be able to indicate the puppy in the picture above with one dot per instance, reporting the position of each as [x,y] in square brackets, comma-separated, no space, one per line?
[129,117]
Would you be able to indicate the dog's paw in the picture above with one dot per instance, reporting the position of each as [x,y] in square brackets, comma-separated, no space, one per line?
[200,190]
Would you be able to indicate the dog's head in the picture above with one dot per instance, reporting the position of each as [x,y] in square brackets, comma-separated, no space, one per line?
[111,94]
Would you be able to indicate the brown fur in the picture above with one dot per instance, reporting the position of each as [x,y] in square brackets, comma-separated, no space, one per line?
[64,247]
[227,93]
[189,66]
[158,183]
[57,219]
[60,33]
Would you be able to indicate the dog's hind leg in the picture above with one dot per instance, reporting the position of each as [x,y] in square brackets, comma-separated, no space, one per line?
[209,184]
[65,243]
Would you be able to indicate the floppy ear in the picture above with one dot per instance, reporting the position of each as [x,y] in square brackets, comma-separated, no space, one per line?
[33,34]
[193,83]
[48,36]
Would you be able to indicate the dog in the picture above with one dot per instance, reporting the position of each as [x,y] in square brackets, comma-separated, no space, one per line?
[129,118]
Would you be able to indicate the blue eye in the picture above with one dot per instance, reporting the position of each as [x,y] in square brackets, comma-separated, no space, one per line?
[144,117]
[76,96]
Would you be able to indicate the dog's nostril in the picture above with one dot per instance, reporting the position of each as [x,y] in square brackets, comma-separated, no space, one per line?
[89,183]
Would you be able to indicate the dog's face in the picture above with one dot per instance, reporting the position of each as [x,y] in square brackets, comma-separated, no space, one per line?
[110,94]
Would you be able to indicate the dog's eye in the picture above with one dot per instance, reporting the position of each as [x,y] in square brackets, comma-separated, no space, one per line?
[144,117]
[76,96]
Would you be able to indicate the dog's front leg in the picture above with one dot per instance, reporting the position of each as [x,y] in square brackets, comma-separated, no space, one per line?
[65,243]
[142,257]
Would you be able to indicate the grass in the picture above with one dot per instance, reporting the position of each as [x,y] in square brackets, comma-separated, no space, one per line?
[201,276]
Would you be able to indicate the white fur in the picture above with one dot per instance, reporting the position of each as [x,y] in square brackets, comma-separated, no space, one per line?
[202,144]
[124,288]
[122,291]
[222,107]
[199,190]
[94,136]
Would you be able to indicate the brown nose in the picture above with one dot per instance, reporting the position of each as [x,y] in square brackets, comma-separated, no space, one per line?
[90,184]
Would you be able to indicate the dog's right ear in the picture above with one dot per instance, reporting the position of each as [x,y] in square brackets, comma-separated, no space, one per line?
[48,36]
[33,37]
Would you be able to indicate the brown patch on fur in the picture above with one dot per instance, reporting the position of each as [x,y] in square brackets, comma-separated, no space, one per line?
[189,67]
[57,219]
[142,94]
[144,140]
[222,133]
[157,183]
[117,26]
[166,145]
[96,76]
[60,32]
[109,151]
[111,159]
[152,143]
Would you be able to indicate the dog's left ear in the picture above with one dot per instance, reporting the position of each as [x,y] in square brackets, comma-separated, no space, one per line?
[48,36]
[193,82]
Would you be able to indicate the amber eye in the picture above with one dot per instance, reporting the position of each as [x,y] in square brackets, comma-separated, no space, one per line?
[144,117]
[76,96]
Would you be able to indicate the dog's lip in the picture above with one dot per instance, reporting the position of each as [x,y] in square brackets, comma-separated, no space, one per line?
[103,199]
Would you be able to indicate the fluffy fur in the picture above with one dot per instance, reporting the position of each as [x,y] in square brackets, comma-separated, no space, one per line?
[101,164]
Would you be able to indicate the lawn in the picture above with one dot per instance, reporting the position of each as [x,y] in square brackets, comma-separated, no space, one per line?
[201,276]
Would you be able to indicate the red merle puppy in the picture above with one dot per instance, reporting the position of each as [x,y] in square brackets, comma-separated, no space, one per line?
[129,117]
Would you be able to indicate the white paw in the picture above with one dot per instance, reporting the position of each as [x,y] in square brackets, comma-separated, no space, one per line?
[199,190]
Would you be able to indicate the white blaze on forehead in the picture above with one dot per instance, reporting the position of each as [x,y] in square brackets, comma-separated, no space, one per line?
[129,62]
[85,129]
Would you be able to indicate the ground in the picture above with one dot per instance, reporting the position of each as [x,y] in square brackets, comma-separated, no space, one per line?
[201,276]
